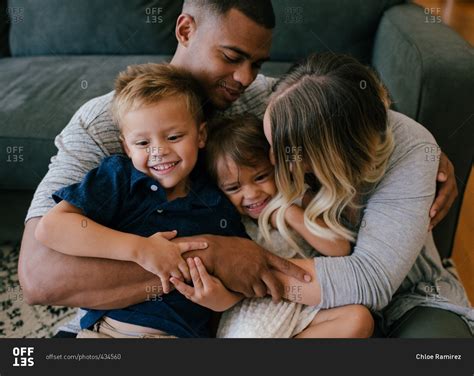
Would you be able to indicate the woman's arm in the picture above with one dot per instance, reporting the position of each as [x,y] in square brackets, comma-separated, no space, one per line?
[393,230]
[294,217]
[391,235]
[298,292]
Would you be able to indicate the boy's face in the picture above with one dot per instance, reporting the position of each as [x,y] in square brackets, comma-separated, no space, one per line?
[163,141]
[249,189]
[226,54]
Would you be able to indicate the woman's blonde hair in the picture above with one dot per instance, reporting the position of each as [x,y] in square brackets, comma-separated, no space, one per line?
[328,117]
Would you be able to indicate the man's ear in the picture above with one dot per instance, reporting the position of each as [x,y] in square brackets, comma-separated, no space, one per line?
[185,28]
[202,135]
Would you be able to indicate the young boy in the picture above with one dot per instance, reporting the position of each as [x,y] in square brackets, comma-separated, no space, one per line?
[148,198]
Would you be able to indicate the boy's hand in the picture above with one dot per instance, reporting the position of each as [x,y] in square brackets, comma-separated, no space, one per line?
[208,291]
[160,256]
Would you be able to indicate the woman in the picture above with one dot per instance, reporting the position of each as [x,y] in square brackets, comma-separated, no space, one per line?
[329,126]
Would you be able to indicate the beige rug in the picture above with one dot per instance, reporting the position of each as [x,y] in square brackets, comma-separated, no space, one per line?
[18,319]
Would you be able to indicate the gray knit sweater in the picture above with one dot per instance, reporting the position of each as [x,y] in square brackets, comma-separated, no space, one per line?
[395,265]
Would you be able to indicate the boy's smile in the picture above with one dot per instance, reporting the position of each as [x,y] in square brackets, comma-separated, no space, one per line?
[163,141]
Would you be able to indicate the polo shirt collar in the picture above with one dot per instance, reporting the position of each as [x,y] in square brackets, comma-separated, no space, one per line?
[202,192]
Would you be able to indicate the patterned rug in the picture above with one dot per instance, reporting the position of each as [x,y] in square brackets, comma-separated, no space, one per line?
[18,319]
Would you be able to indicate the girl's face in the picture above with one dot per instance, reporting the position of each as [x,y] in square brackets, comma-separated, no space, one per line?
[249,189]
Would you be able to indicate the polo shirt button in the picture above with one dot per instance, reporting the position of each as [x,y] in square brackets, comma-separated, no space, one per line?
[159,211]
[154,188]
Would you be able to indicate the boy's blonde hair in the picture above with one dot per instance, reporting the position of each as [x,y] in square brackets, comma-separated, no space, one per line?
[147,84]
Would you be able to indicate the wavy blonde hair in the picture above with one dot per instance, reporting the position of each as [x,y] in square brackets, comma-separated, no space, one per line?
[328,118]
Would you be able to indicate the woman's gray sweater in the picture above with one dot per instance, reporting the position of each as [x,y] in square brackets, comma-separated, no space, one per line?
[395,265]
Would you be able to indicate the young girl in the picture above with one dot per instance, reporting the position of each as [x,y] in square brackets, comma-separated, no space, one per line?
[238,160]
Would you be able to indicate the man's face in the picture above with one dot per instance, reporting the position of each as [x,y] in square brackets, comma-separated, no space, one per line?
[225,55]
[163,141]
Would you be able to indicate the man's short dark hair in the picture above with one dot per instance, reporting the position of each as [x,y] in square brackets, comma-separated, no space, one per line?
[259,11]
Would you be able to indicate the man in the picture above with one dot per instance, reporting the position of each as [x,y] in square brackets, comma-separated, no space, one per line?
[223,43]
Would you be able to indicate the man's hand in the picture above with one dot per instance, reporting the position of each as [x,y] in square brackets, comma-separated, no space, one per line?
[447,191]
[245,267]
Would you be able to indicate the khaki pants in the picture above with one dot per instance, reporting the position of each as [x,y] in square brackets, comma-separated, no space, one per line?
[103,329]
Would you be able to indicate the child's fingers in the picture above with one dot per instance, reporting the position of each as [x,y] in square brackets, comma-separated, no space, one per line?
[183,267]
[197,282]
[165,284]
[191,246]
[168,235]
[183,288]
[177,274]
[205,277]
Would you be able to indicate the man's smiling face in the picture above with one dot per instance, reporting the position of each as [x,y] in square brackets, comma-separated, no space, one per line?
[225,53]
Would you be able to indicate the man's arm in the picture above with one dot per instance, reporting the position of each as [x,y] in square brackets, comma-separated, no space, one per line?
[245,267]
[50,277]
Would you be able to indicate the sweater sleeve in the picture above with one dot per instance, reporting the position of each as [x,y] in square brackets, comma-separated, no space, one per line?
[394,225]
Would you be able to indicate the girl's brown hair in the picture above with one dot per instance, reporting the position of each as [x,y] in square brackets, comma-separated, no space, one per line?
[239,139]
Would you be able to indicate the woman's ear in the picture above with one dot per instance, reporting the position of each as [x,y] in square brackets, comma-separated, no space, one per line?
[185,28]
[202,135]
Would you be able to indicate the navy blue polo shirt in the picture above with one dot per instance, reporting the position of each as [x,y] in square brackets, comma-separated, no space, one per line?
[118,196]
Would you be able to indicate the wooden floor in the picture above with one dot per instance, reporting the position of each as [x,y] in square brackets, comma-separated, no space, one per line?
[460,16]
[463,252]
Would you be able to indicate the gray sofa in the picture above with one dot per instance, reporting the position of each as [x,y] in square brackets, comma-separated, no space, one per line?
[55,55]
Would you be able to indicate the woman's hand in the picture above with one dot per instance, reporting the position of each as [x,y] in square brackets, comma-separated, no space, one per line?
[208,291]
[160,256]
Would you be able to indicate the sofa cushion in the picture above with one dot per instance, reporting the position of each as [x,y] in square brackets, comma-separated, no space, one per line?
[38,96]
[348,26]
[118,27]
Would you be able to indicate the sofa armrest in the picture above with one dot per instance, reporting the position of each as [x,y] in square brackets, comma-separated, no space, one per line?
[428,70]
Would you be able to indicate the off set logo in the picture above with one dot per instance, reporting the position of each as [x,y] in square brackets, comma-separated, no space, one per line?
[23,357]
